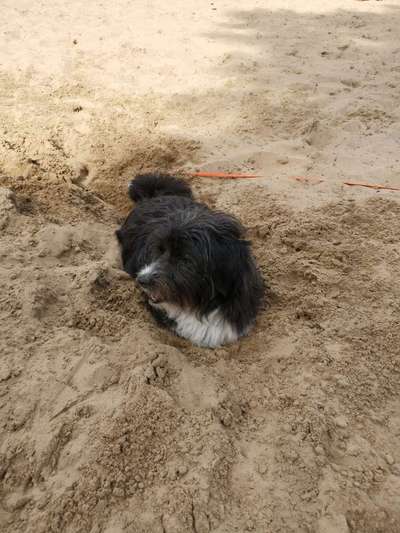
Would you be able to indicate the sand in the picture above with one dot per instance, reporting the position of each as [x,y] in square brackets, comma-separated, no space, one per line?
[111,425]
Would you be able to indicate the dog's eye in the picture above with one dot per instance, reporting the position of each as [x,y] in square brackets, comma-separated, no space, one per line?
[161,248]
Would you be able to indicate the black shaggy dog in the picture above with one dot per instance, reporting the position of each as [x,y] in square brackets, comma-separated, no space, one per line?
[194,266]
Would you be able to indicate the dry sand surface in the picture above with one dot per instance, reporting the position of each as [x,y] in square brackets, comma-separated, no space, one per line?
[107,423]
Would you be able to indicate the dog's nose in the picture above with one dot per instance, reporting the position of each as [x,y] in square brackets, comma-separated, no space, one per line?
[145,281]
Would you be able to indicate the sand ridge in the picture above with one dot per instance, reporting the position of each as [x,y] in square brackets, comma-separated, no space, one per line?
[109,424]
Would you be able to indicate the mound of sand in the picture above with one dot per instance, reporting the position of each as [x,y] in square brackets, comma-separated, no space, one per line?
[111,425]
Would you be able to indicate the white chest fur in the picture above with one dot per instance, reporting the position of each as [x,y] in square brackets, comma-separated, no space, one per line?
[210,331]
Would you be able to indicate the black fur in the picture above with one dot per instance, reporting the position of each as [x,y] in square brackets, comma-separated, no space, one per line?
[203,261]
[152,185]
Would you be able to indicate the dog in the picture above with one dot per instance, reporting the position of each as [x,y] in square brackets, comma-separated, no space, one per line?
[192,263]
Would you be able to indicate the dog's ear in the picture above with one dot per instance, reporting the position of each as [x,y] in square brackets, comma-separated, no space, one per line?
[238,282]
[229,252]
[230,263]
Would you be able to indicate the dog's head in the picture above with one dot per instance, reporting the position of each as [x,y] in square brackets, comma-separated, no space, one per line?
[198,260]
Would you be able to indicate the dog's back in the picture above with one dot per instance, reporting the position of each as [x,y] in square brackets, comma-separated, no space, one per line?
[147,186]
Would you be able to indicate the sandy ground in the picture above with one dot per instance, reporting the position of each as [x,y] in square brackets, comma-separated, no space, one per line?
[109,425]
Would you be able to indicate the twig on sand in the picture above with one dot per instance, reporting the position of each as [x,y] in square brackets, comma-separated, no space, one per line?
[371,185]
[307,179]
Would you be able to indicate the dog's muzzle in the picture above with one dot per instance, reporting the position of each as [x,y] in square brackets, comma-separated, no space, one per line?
[147,282]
